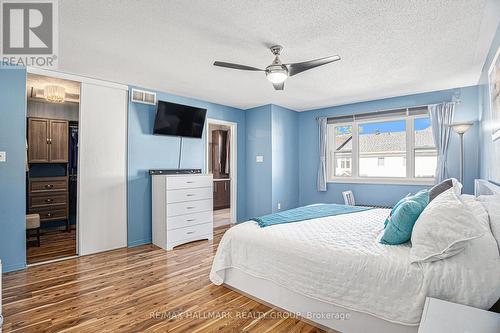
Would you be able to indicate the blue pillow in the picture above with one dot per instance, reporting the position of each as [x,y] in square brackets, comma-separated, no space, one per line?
[394,209]
[406,212]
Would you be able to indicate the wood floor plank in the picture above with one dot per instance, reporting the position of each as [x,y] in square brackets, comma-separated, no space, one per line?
[54,244]
[140,289]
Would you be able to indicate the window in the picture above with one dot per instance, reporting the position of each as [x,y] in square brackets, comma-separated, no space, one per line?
[383,147]
[381,142]
[341,155]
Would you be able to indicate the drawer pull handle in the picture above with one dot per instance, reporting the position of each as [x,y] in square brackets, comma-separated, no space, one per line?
[190,195]
[190,220]
[189,182]
[49,186]
[48,214]
[190,207]
[49,200]
[190,232]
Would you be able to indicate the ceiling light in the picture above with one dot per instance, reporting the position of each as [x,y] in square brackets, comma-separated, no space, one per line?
[55,94]
[277,75]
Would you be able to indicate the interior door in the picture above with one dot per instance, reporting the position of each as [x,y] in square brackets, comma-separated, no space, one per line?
[102,184]
[38,140]
[58,141]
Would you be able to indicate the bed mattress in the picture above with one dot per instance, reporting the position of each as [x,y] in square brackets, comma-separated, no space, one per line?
[338,260]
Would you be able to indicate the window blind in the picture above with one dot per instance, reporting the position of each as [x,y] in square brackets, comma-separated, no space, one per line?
[413,111]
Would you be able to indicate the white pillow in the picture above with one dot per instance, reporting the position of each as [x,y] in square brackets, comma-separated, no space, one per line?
[492,205]
[443,229]
[477,209]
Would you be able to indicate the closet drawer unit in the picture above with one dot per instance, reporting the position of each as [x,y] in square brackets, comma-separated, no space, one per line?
[189,194]
[190,207]
[48,199]
[52,213]
[181,182]
[190,233]
[47,184]
[183,221]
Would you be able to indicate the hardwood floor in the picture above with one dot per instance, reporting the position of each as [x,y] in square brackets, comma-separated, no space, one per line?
[54,244]
[140,289]
[222,217]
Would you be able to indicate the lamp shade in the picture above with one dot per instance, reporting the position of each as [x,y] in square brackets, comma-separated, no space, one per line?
[461,128]
[277,76]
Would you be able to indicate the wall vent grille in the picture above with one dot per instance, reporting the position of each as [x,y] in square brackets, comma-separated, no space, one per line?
[143,97]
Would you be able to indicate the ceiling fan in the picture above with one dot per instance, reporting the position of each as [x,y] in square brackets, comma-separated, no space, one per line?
[277,72]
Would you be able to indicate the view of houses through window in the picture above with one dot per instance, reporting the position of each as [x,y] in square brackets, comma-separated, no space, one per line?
[381,149]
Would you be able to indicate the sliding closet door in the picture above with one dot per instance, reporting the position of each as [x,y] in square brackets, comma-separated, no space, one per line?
[102,209]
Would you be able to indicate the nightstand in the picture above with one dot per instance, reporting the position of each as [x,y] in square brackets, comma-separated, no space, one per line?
[442,316]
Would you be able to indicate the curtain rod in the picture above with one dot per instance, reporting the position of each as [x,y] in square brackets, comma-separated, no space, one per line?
[386,110]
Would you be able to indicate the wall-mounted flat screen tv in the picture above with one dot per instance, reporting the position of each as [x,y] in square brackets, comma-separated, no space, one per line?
[179,120]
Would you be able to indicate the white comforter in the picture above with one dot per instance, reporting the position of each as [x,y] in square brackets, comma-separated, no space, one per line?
[338,260]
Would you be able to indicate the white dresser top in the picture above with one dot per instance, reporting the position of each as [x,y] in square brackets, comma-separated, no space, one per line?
[440,316]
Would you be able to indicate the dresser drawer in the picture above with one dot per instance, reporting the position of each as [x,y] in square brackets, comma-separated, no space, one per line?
[174,183]
[48,199]
[182,221]
[51,213]
[190,207]
[189,194]
[48,184]
[194,232]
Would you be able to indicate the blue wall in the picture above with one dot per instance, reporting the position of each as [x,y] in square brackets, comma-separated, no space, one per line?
[490,150]
[272,132]
[12,175]
[467,110]
[259,175]
[147,151]
[285,159]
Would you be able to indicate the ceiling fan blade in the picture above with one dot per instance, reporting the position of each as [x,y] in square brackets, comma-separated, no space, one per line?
[299,67]
[236,66]
[279,86]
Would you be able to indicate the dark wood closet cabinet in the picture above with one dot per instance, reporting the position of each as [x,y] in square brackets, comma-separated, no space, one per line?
[47,140]
[220,154]
[222,194]
[220,169]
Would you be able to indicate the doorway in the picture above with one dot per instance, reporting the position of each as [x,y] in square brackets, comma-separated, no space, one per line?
[52,119]
[87,207]
[221,162]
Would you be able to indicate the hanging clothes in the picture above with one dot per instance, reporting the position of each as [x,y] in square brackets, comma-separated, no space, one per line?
[73,150]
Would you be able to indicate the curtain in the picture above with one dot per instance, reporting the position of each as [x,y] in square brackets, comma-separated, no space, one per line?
[322,154]
[441,117]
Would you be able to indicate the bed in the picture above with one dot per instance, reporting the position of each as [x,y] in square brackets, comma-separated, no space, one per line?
[333,271]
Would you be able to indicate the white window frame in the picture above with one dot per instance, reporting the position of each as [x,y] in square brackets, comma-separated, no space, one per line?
[410,178]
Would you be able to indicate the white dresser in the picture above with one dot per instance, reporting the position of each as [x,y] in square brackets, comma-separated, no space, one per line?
[441,316]
[182,209]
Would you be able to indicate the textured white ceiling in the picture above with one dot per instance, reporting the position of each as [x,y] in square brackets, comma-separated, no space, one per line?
[388,48]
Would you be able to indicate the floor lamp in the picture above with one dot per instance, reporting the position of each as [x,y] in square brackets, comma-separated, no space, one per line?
[460,129]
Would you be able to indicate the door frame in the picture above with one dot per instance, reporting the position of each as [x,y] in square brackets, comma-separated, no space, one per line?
[233,166]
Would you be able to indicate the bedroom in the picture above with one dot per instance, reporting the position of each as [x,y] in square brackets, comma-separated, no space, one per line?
[371,121]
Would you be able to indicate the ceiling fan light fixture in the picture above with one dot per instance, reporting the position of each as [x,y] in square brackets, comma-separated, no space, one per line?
[277,72]
[277,75]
